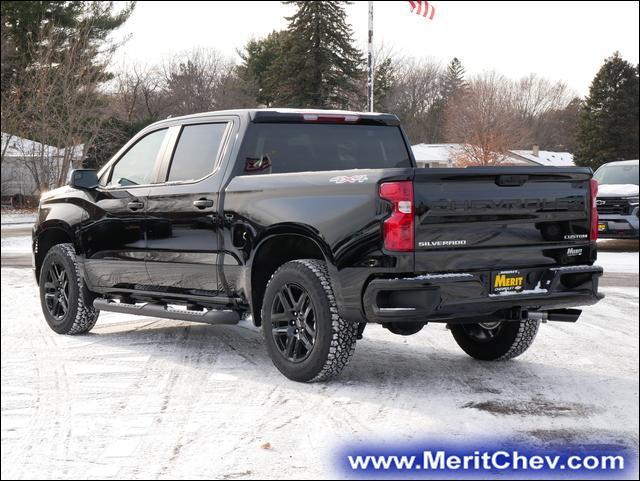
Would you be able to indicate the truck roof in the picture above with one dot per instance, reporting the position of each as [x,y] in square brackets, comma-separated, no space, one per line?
[292,115]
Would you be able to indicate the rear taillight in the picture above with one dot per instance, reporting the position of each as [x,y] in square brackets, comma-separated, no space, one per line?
[593,195]
[399,227]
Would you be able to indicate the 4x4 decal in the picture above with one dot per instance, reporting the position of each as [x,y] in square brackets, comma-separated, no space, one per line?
[349,179]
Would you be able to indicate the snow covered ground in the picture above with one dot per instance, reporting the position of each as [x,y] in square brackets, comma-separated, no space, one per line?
[623,262]
[16,244]
[149,398]
[11,216]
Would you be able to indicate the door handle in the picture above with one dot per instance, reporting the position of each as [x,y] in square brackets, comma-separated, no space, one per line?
[203,203]
[135,205]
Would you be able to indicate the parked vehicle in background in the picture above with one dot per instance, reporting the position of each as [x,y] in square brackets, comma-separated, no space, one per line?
[618,200]
[315,223]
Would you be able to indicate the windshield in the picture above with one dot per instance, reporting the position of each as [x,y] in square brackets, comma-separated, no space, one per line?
[283,147]
[617,174]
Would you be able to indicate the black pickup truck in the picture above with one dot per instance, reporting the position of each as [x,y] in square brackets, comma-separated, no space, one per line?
[312,224]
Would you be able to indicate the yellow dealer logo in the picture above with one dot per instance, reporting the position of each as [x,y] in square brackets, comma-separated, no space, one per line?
[504,280]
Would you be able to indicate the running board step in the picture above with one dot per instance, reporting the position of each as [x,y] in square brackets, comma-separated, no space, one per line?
[210,316]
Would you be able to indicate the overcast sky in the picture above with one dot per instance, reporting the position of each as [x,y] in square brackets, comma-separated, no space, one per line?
[565,41]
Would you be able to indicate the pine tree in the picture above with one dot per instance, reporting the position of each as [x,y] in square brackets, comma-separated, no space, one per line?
[452,85]
[384,79]
[259,59]
[319,64]
[453,81]
[608,125]
[28,26]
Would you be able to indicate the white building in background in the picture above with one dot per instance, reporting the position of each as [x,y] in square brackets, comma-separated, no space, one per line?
[18,153]
[445,155]
[436,155]
[544,157]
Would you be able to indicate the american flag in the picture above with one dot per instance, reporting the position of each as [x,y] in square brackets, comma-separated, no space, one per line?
[424,9]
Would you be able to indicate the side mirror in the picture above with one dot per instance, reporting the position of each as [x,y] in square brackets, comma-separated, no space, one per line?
[84,179]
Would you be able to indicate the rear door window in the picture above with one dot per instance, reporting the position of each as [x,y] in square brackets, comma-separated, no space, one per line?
[197,151]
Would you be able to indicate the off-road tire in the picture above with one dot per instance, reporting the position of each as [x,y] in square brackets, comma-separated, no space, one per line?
[335,338]
[80,316]
[513,339]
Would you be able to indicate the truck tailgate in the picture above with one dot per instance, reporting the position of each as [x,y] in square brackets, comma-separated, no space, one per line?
[503,216]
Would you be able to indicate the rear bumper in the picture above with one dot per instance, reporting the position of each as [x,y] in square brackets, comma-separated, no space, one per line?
[445,297]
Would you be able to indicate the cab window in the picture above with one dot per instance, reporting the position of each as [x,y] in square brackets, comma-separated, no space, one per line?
[135,167]
[197,151]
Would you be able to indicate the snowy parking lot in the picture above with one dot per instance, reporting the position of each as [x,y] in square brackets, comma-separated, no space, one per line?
[150,398]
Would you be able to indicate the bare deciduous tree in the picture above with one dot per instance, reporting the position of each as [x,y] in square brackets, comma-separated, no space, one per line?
[57,102]
[556,130]
[485,120]
[414,94]
[535,96]
[539,102]
[137,94]
[197,81]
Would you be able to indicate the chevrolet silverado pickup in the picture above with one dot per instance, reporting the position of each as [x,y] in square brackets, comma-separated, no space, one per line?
[312,224]
[617,200]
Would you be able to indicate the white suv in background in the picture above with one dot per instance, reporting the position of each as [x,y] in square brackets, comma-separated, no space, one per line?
[618,200]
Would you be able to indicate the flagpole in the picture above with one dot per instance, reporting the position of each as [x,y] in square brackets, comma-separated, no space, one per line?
[370,61]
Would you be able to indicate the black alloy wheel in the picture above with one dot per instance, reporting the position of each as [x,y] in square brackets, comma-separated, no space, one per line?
[293,322]
[56,293]
[305,336]
[64,297]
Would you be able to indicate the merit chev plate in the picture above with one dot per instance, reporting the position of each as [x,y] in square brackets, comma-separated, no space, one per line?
[507,281]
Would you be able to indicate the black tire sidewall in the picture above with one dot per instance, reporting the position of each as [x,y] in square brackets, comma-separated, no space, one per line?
[59,255]
[489,350]
[295,272]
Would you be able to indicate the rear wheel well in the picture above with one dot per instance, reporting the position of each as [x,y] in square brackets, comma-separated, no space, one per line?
[272,254]
[46,240]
